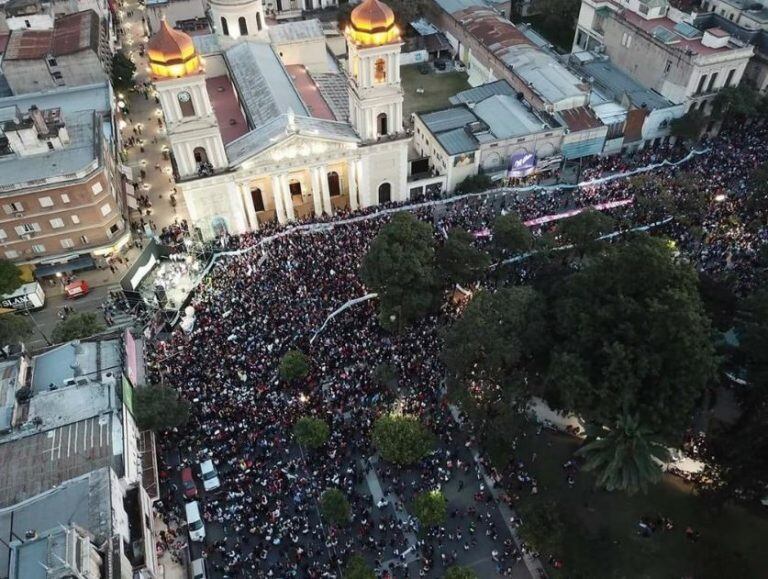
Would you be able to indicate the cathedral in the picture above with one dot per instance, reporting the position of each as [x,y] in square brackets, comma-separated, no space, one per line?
[265,125]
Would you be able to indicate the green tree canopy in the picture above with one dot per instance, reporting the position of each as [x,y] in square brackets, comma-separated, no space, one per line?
[474,184]
[334,506]
[584,229]
[689,126]
[123,70]
[459,261]
[160,408]
[294,365]
[430,508]
[77,327]
[511,236]
[459,572]
[631,335]
[400,267]
[542,526]
[623,458]
[311,432]
[741,101]
[13,329]
[10,277]
[401,438]
[357,568]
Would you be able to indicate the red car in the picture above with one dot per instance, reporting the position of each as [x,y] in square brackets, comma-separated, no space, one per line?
[188,483]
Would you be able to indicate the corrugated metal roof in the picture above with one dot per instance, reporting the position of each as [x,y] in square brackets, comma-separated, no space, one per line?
[507,118]
[296,31]
[482,92]
[618,84]
[457,141]
[448,119]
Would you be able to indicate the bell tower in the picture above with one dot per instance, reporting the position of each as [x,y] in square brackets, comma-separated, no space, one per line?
[179,79]
[375,94]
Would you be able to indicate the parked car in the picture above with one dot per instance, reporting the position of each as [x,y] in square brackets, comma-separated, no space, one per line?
[188,483]
[209,475]
[194,522]
[199,569]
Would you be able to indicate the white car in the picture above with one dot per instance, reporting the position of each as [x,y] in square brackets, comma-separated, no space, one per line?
[209,475]
[194,522]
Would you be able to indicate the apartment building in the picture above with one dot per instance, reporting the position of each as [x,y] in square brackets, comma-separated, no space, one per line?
[59,197]
[658,47]
[74,52]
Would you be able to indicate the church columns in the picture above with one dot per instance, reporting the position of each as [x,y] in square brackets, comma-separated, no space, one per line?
[363,184]
[250,210]
[352,176]
[327,207]
[277,196]
[287,200]
[317,200]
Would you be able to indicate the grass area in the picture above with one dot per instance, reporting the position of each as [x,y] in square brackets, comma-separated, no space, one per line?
[438,88]
[601,537]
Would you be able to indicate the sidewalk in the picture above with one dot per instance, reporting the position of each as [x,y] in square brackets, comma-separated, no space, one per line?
[167,567]
[96,277]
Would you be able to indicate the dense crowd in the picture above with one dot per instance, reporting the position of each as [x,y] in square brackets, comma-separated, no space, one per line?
[273,297]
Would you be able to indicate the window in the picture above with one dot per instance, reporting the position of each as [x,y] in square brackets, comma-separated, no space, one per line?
[334,184]
[28,24]
[84,239]
[115,228]
[52,61]
[97,188]
[185,104]
[381,124]
[200,155]
[380,70]
[667,66]
[16,207]
[712,81]
[241,23]
[75,219]
[64,198]
[258,21]
[46,202]
[105,209]
[67,243]
[224,26]
[3,234]
[50,145]
[27,228]
[258,199]
[294,186]
[702,80]
[385,193]
[38,248]
[729,78]
[57,223]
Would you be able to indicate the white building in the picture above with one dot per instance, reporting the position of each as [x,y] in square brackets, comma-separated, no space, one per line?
[255,138]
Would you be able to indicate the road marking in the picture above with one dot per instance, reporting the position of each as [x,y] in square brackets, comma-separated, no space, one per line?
[74,446]
[69,437]
[61,436]
[93,430]
[85,434]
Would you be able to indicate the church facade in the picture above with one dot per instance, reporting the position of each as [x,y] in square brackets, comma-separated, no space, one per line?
[253,139]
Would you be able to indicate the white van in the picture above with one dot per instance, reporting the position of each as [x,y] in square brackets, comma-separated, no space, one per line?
[209,475]
[194,522]
[198,569]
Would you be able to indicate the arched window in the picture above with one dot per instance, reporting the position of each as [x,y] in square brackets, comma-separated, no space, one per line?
[243,26]
[334,184]
[258,200]
[385,193]
[224,26]
[200,155]
[294,186]
[258,21]
[381,124]
[380,71]
[185,104]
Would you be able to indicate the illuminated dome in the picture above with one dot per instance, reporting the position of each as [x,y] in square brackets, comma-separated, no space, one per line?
[373,23]
[172,53]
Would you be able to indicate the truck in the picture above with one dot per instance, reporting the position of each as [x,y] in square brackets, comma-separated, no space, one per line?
[28,297]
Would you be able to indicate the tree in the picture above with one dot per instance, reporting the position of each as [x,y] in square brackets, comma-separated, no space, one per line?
[294,365]
[491,347]
[10,277]
[630,335]
[689,126]
[13,329]
[334,506]
[584,230]
[123,70]
[430,508]
[739,101]
[76,327]
[511,236]
[624,457]
[558,20]
[460,262]
[357,568]
[459,572]
[311,432]
[542,526]
[400,267]
[473,184]
[401,438]
[160,408]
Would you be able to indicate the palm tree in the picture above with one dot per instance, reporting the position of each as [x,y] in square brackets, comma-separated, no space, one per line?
[626,458]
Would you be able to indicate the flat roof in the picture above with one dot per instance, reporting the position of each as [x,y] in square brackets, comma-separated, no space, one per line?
[9,375]
[69,99]
[299,31]
[310,93]
[84,501]
[619,85]
[82,150]
[507,117]
[482,92]
[654,26]
[93,360]
[451,6]
[70,34]
[226,107]
[580,119]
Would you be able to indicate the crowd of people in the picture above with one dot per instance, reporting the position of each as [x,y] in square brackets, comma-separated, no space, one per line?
[274,296]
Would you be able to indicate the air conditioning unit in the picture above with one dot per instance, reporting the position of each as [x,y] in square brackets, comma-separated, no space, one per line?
[18,214]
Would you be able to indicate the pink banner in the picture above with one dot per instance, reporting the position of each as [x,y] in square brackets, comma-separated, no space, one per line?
[130,357]
[572,212]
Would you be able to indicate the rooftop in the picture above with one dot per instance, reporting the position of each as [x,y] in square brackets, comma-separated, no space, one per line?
[9,382]
[299,31]
[87,359]
[620,86]
[580,119]
[333,87]
[310,93]
[70,34]
[265,89]
[451,6]
[82,150]
[483,91]
[92,97]
[507,117]
[232,123]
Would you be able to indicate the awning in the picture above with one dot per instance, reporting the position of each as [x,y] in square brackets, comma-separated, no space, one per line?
[83,262]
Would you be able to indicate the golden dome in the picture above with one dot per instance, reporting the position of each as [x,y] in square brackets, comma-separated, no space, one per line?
[172,53]
[372,23]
